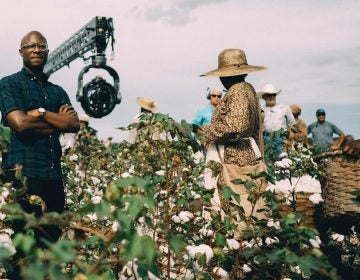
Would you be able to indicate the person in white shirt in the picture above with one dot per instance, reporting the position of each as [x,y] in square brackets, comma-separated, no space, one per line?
[278,118]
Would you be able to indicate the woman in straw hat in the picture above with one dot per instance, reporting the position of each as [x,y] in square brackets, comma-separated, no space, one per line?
[235,124]
[236,118]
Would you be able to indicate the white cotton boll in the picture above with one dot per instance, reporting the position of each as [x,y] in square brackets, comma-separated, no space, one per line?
[95,180]
[5,193]
[206,232]
[246,268]
[295,269]
[286,278]
[223,274]
[202,249]
[337,237]
[93,217]
[160,172]
[315,242]
[2,216]
[69,201]
[269,241]
[152,276]
[283,186]
[5,242]
[316,198]
[176,219]
[283,155]
[248,244]
[185,216]
[274,224]
[7,231]
[96,199]
[2,201]
[115,226]
[125,175]
[307,184]
[232,244]
[74,157]
[164,249]
[284,163]
[198,156]
[185,273]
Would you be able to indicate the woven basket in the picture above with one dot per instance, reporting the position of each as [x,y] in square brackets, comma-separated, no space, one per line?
[303,206]
[342,178]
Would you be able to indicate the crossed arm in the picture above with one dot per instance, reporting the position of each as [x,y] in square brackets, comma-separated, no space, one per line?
[33,123]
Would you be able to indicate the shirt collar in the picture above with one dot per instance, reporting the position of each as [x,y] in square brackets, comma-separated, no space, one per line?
[28,73]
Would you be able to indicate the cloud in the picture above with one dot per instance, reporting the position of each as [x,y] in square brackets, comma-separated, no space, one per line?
[174,12]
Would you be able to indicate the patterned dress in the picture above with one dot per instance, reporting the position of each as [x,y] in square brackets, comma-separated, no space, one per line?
[235,118]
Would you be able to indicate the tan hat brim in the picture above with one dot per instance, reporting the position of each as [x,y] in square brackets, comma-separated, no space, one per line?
[233,70]
[260,94]
[153,107]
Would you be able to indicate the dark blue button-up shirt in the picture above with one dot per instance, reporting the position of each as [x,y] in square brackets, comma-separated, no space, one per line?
[39,155]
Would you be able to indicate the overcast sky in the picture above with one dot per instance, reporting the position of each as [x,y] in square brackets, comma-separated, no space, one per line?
[311,49]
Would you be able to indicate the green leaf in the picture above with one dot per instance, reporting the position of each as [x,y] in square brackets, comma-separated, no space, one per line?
[142,248]
[220,239]
[228,193]
[63,251]
[24,242]
[177,244]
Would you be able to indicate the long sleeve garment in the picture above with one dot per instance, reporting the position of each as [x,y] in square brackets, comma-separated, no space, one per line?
[234,119]
[203,116]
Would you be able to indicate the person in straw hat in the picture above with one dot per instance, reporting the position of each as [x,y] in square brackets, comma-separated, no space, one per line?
[298,132]
[278,119]
[235,124]
[147,106]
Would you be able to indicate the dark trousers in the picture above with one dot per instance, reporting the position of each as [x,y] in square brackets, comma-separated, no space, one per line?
[52,193]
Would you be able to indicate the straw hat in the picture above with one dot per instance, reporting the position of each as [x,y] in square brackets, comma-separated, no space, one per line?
[295,109]
[84,118]
[268,89]
[147,103]
[232,62]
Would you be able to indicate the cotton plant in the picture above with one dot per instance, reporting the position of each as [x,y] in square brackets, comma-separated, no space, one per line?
[141,211]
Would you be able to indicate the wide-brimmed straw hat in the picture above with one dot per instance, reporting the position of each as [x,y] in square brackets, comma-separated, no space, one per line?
[232,62]
[147,103]
[295,109]
[268,89]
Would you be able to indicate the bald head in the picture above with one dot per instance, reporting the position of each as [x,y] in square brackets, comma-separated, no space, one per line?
[28,36]
[34,51]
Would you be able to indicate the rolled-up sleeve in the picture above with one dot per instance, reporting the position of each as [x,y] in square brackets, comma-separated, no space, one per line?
[11,97]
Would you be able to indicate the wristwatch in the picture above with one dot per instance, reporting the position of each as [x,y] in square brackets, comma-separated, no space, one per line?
[42,112]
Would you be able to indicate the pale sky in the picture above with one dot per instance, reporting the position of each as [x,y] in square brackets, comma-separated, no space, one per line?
[311,49]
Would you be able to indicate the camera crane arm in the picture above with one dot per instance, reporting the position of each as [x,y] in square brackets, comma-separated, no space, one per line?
[98,98]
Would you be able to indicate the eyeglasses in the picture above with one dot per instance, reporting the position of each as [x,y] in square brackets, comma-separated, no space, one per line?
[32,46]
[215,95]
[321,114]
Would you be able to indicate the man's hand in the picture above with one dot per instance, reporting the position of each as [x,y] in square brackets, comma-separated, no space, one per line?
[352,148]
[67,110]
[195,128]
[34,112]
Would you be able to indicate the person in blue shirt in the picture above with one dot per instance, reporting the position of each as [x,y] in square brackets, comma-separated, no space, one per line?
[322,133]
[203,116]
